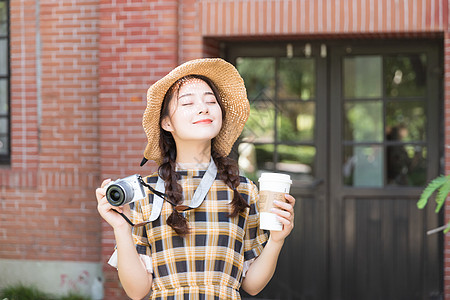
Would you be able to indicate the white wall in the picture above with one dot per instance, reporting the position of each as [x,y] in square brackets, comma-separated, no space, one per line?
[56,277]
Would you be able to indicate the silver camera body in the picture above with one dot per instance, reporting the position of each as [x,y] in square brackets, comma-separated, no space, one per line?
[124,191]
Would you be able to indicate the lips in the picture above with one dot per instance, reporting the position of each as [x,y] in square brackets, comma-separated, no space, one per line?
[203,121]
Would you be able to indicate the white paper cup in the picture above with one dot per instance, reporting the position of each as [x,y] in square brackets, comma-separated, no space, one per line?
[272,186]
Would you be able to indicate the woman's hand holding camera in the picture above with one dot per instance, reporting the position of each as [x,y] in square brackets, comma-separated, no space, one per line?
[106,210]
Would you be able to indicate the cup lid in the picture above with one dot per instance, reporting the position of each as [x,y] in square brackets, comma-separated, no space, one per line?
[275,177]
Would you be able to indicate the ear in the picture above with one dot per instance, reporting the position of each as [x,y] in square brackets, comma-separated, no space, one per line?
[166,124]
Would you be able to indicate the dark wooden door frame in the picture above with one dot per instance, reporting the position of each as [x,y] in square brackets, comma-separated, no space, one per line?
[328,156]
[338,190]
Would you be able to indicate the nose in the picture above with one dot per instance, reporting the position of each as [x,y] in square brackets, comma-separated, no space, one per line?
[202,108]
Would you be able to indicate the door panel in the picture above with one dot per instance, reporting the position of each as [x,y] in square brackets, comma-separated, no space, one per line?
[384,148]
[383,247]
[357,125]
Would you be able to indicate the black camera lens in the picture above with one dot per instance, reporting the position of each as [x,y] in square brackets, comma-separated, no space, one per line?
[115,195]
[119,193]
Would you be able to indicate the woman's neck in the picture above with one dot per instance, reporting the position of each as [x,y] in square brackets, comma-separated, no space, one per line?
[192,166]
[194,152]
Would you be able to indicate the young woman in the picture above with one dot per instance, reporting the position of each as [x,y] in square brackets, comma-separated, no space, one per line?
[204,241]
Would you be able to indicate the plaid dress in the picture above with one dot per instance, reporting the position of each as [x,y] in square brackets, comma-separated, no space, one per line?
[208,262]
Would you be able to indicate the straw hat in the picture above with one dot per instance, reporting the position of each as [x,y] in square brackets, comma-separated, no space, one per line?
[232,93]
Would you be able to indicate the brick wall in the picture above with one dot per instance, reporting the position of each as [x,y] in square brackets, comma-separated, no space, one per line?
[80,120]
[24,146]
[46,195]
[291,17]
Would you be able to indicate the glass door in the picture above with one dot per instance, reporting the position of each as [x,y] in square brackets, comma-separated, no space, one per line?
[358,126]
[279,135]
[283,135]
[384,117]
[385,146]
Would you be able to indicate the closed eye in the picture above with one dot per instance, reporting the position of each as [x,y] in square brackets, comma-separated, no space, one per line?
[210,98]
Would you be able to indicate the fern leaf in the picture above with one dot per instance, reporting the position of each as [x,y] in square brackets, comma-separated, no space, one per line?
[448,228]
[442,195]
[430,189]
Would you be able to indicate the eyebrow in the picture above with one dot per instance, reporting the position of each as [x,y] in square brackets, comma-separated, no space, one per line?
[190,94]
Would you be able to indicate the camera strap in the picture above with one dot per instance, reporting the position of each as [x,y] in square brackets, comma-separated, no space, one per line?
[199,195]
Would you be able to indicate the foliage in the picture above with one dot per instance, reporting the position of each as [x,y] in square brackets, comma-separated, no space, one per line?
[441,185]
[258,74]
[23,292]
[73,296]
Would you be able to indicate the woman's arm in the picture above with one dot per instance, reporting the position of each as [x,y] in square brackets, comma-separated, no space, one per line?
[133,275]
[261,270]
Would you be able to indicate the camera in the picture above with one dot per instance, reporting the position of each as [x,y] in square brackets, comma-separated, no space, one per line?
[124,191]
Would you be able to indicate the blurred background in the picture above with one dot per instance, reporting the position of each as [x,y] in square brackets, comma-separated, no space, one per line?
[349,97]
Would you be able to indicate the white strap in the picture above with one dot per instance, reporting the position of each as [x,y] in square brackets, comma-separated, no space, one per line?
[199,194]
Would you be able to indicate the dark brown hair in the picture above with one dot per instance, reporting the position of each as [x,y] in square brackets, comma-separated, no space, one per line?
[227,169]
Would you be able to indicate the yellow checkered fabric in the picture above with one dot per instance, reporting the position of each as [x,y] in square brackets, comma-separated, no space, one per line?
[207,263]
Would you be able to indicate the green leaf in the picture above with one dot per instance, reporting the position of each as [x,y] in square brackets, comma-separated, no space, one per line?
[448,228]
[430,189]
[442,194]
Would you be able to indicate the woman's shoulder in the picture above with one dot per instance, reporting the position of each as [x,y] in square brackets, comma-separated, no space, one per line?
[152,178]
[247,187]
[246,181]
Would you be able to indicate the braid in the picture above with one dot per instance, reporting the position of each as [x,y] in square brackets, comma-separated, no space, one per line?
[173,189]
[228,171]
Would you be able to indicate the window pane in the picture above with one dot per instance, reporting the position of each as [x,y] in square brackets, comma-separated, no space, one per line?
[254,159]
[3,96]
[297,161]
[3,57]
[3,145]
[362,77]
[296,121]
[3,125]
[405,75]
[406,165]
[405,121]
[296,78]
[3,19]
[260,125]
[363,166]
[363,121]
[258,75]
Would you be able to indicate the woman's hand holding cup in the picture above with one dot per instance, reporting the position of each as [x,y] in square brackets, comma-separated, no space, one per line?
[276,206]
[285,215]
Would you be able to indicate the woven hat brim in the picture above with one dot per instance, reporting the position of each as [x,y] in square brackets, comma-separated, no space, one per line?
[232,93]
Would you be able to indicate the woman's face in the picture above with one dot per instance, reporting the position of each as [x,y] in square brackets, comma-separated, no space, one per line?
[194,113]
